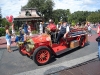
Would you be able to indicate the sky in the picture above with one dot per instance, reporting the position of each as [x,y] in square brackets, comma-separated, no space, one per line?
[13,7]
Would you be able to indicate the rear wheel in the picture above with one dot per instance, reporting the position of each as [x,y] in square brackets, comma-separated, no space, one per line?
[42,55]
[82,42]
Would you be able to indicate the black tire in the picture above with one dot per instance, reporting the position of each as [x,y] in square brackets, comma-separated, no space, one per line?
[82,41]
[42,55]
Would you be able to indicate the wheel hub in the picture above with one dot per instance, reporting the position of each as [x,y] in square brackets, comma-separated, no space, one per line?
[42,56]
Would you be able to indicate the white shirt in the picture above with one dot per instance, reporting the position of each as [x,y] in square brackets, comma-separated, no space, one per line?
[67,29]
[41,28]
[89,27]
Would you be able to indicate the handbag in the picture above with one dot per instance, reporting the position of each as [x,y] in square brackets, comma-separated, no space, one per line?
[98,39]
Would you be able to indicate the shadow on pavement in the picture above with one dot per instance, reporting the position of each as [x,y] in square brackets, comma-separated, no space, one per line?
[3,43]
[15,49]
[54,69]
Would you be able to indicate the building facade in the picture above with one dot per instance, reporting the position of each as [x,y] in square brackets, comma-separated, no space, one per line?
[30,15]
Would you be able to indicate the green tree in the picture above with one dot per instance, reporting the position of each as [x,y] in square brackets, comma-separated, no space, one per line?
[94,17]
[61,15]
[4,22]
[2,25]
[78,16]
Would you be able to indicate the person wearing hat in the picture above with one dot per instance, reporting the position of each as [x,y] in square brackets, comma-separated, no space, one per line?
[59,25]
[63,32]
[51,26]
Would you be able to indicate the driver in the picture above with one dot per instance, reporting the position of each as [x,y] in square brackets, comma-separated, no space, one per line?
[63,31]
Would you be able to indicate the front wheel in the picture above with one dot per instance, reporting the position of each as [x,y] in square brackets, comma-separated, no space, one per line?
[42,55]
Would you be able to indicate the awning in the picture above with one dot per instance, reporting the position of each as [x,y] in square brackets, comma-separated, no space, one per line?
[29,19]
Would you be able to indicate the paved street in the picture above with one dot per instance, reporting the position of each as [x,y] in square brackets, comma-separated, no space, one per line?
[15,63]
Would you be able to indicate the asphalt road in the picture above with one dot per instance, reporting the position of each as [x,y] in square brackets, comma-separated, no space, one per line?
[14,63]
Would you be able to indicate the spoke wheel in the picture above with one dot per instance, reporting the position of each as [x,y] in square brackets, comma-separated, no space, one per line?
[42,55]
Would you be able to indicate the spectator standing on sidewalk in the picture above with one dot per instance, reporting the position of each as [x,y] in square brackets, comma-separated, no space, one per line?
[30,30]
[8,38]
[89,29]
[98,32]
[26,30]
[41,28]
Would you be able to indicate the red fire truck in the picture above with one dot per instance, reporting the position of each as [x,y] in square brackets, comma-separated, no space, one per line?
[42,47]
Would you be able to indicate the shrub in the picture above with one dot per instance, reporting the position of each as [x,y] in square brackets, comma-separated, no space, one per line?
[34,32]
[2,32]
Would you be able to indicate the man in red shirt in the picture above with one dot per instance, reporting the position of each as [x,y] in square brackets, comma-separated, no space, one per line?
[51,29]
[51,26]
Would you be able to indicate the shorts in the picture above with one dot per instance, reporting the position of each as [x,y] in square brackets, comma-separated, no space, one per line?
[8,42]
[89,31]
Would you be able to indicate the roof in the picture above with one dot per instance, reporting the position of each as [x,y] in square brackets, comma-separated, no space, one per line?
[28,14]
[28,18]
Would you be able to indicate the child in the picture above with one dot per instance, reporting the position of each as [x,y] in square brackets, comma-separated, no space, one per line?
[20,38]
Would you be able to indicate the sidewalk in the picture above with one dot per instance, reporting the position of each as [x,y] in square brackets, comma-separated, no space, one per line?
[88,68]
[3,42]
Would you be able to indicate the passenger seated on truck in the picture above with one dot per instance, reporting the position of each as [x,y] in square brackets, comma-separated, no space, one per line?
[63,32]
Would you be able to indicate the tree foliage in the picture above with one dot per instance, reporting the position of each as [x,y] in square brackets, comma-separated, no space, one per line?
[94,17]
[4,22]
[61,15]
[79,16]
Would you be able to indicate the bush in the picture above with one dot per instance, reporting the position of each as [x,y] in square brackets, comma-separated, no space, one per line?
[2,32]
[34,32]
